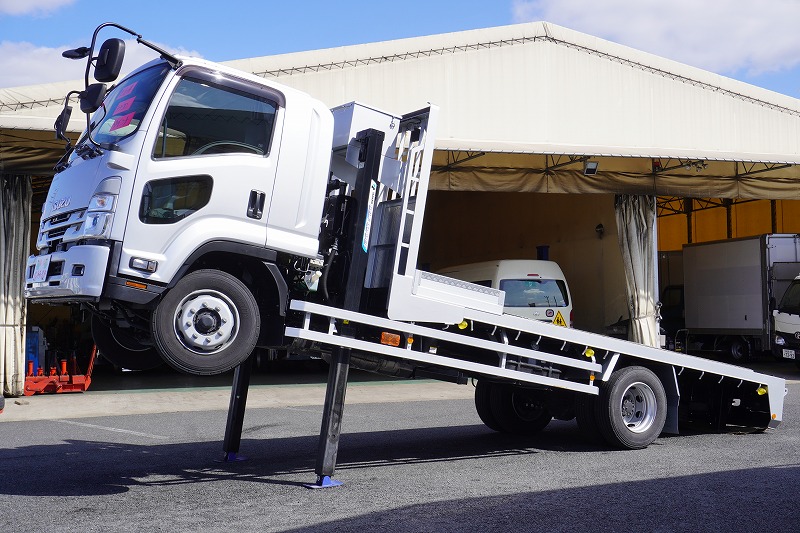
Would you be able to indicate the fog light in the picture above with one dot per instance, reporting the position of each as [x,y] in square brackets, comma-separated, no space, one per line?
[78,270]
[145,265]
[780,341]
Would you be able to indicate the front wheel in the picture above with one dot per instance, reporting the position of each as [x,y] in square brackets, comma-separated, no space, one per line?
[633,408]
[207,324]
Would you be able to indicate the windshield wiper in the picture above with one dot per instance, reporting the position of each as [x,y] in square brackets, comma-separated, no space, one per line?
[88,150]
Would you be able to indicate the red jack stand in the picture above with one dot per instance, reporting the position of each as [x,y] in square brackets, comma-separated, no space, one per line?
[61,379]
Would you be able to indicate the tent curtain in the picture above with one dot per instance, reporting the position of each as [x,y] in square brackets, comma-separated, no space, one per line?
[635,228]
[15,224]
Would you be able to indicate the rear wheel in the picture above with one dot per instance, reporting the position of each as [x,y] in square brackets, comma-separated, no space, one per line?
[121,348]
[483,391]
[586,414]
[739,349]
[519,410]
[633,408]
[207,324]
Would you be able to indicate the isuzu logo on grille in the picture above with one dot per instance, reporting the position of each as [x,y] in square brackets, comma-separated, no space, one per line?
[60,204]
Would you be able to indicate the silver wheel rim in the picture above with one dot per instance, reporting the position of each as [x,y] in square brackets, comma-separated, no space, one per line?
[206,322]
[638,407]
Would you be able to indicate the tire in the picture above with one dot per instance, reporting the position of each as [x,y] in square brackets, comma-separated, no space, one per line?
[739,350]
[633,408]
[483,405]
[122,349]
[518,410]
[207,324]
[587,413]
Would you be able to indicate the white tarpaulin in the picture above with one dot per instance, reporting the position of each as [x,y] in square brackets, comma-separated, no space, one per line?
[635,227]
[15,224]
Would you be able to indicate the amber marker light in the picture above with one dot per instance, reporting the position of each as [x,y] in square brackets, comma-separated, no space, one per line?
[135,285]
[390,339]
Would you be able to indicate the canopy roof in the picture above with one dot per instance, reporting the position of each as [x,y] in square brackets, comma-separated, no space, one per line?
[524,106]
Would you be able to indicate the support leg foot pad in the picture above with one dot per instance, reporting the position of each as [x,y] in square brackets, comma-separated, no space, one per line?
[323,482]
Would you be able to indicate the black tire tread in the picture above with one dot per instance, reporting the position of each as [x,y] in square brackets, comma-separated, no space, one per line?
[184,360]
[609,420]
[483,405]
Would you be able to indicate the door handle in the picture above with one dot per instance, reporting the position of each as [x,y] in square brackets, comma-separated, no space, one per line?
[255,206]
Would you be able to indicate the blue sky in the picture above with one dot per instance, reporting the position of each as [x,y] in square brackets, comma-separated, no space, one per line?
[755,41]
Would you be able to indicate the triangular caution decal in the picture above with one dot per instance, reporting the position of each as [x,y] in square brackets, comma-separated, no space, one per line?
[559,320]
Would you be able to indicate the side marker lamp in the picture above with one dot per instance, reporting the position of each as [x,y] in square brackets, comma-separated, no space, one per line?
[390,339]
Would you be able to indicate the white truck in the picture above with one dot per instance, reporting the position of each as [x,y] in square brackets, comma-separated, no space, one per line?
[731,291]
[533,288]
[786,321]
[206,211]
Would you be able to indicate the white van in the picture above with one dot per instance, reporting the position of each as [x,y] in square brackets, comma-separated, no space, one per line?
[534,289]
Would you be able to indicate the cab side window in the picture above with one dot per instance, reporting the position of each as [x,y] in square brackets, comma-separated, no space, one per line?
[169,200]
[205,118]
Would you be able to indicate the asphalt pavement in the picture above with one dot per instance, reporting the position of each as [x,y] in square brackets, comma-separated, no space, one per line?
[141,452]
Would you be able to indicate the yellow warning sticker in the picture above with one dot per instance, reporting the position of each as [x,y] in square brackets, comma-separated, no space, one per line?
[559,320]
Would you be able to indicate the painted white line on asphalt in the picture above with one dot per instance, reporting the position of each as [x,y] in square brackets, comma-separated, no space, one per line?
[116,430]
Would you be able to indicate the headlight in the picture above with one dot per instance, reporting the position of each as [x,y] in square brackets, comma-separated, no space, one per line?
[780,341]
[101,202]
[97,224]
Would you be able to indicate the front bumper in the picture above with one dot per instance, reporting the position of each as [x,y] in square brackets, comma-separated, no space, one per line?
[75,275]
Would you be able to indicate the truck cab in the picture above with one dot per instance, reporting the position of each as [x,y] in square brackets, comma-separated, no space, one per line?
[786,317]
[177,215]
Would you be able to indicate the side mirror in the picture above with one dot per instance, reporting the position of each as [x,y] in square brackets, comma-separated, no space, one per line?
[109,60]
[61,123]
[92,98]
[77,53]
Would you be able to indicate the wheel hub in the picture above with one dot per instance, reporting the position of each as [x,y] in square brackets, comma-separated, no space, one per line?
[638,407]
[205,322]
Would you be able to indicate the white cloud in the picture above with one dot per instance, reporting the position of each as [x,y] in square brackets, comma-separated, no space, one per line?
[27,64]
[724,36]
[27,7]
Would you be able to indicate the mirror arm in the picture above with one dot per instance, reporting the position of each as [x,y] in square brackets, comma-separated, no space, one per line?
[169,58]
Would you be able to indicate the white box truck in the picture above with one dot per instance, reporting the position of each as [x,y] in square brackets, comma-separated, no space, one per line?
[206,211]
[731,289]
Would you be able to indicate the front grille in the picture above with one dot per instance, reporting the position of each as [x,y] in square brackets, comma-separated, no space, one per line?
[62,227]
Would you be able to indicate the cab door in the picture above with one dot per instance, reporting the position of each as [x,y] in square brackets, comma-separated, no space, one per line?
[207,171]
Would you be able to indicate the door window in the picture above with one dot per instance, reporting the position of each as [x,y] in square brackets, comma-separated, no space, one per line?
[205,117]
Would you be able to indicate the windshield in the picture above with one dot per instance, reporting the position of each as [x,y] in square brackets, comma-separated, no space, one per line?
[791,299]
[126,105]
[535,292]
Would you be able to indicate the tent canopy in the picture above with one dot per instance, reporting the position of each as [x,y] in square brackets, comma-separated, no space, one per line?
[523,107]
